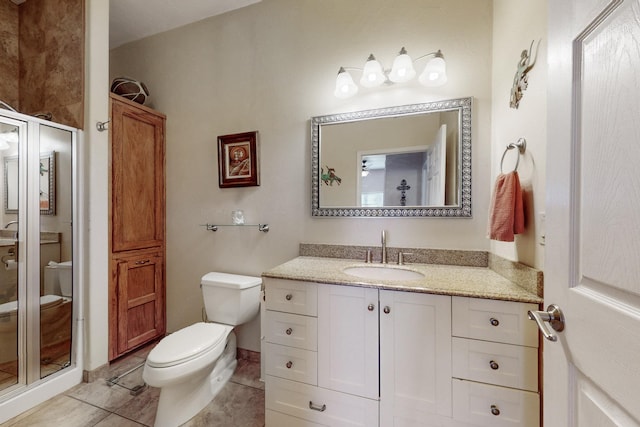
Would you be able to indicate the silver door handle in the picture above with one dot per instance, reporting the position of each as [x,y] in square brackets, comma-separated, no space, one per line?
[554,316]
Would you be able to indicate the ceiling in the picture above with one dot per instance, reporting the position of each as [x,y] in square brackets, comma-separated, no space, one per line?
[131,20]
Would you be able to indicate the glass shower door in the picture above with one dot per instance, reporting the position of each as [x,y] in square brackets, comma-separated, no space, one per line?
[11,322]
[56,242]
[36,251]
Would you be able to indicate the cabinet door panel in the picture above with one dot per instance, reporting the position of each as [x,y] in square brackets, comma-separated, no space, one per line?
[348,340]
[140,301]
[415,355]
[137,174]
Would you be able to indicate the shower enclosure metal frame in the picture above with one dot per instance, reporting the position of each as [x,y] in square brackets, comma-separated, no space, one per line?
[30,386]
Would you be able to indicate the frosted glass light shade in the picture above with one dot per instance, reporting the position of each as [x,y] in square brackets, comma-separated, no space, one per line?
[372,74]
[435,72]
[345,87]
[402,69]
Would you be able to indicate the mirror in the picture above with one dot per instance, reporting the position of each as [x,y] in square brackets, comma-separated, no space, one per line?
[47,184]
[406,161]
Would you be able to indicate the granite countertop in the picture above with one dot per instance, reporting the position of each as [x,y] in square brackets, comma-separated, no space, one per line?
[477,282]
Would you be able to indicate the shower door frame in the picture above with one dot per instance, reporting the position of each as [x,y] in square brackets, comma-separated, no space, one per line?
[30,386]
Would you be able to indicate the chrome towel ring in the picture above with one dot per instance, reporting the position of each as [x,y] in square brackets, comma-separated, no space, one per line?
[521,145]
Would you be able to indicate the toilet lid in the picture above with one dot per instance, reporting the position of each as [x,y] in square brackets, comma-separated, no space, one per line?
[187,343]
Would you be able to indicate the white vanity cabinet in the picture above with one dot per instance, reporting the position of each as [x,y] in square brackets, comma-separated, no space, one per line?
[495,363]
[341,355]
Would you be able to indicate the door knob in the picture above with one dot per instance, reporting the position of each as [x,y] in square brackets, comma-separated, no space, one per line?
[554,316]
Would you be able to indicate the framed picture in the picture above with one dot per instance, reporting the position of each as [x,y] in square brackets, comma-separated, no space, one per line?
[238,163]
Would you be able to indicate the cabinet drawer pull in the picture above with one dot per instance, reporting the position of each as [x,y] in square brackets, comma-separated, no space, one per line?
[316,407]
[386,309]
[371,307]
[142,262]
[494,365]
[289,331]
[494,410]
[288,297]
[494,321]
[289,364]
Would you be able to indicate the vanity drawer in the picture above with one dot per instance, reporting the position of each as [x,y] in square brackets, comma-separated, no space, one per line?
[278,419]
[292,330]
[291,296]
[292,363]
[500,321]
[318,405]
[494,406]
[501,364]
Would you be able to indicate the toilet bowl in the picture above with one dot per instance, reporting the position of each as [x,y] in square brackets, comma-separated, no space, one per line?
[190,366]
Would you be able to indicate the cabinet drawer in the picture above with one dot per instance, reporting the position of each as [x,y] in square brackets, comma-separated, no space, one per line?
[278,419]
[500,321]
[291,363]
[318,405]
[474,402]
[291,296]
[501,364]
[292,330]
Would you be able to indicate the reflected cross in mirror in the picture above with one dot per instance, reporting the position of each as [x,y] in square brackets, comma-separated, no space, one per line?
[403,187]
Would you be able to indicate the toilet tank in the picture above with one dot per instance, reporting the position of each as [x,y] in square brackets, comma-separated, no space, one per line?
[231,299]
[58,278]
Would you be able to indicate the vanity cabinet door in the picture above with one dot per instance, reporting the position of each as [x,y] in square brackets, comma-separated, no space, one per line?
[348,339]
[415,358]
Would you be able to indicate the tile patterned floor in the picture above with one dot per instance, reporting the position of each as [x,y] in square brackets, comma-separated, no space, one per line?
[239,404]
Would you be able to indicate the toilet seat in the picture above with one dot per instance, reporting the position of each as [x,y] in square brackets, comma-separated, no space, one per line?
[187,344]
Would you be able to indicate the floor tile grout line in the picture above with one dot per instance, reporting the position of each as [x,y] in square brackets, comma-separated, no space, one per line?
[108,411]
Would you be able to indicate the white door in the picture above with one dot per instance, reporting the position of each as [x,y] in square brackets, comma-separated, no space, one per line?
[592,265]
[436,174]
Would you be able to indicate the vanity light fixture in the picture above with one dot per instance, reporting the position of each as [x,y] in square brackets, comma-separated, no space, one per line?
[402,70]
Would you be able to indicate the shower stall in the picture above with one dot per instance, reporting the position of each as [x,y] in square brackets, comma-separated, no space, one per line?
[40,310]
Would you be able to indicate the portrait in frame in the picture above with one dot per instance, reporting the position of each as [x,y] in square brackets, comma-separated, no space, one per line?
[238,163]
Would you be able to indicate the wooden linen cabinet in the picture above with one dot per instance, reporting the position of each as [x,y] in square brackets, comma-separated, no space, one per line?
[137,226]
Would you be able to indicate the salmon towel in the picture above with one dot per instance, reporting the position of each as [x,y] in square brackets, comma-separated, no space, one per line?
[506,214]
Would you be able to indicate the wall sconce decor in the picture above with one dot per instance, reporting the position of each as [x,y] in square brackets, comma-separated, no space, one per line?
[402,70]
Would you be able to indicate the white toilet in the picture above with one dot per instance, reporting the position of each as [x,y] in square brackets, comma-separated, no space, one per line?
[191,365]
[58,279]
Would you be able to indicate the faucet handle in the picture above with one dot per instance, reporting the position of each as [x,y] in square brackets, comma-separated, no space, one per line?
[368,257]
[401,256]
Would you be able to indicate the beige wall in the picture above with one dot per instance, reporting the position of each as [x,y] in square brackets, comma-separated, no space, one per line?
[516,24]
[95,187]
[270,67]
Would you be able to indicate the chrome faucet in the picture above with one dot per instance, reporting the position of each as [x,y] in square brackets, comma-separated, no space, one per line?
[384,247]
[9,223]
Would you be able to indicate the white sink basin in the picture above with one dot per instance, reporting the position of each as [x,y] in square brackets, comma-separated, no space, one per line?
[383,273]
